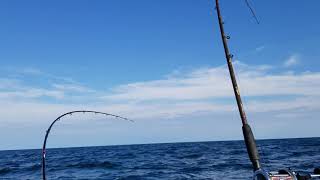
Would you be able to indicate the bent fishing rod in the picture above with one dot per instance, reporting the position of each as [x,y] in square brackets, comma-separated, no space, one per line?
[59,118]
[259,173]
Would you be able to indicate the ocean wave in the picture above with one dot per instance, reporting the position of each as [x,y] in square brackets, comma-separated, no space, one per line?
[191,156]
[5,170]
[88,165]
[34,167]
[160,161]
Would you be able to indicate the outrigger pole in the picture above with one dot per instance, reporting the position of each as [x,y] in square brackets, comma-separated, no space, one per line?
[247,133]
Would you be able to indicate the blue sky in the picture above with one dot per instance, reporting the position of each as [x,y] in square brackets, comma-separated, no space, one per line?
[160,63]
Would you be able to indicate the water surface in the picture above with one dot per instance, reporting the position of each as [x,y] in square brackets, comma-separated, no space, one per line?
[199,160]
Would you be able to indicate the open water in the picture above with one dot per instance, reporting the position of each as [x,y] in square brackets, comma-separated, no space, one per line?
[199,160]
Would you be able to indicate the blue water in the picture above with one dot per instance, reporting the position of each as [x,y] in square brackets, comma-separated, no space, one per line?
[200,160]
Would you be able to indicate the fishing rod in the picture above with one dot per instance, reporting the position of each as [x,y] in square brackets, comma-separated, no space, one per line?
[59,118]
[259,173]
[247,133]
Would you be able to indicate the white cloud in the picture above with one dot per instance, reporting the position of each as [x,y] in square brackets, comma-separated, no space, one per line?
[72,87]
[31,71]
[30,93]
[17,87]
[260,48]
[186,97]
[8,83]
[208,83]
[291,61]
[203,90]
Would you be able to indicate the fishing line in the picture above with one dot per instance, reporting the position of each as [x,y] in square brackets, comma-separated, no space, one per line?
[58,119]
[252,11]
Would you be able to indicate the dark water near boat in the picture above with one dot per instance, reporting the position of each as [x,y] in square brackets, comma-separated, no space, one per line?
[200,160]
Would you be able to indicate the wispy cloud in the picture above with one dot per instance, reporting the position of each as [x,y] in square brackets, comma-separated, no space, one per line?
[34,72]
[202,90]
[31,70]
[72,88]
[260,48]
[214,82]
[291,61]
[29,84]
[193,101]
[31,93]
